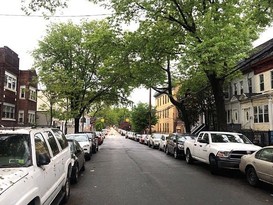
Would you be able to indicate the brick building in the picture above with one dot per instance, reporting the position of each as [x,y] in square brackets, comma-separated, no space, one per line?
[17,91]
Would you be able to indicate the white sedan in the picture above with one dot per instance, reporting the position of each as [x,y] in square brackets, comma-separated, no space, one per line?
[258,166]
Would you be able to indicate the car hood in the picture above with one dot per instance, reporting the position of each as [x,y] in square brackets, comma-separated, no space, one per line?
[84,143]
[236,146]
[10,176]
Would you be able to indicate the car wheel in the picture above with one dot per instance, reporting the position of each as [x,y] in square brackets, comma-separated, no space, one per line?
[189,158]
[66,190]
[213,164]
[252,177]
[153,145]
[75,177]
[94,150]
[167,150]
[175,154]
[83,167]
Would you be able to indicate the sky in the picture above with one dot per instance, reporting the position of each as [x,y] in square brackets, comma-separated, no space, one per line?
[21,33]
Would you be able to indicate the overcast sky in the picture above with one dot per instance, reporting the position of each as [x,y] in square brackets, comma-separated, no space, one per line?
[21,33]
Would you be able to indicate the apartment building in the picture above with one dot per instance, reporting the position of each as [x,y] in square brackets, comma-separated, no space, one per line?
[168,120]
[249,105]
[17,91]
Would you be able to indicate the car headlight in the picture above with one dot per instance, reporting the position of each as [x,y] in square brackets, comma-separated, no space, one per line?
[180,146]
[223,154]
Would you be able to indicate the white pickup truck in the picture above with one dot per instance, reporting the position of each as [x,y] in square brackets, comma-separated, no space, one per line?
[218,149]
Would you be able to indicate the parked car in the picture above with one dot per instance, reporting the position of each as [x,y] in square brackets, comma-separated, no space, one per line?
[258,166]
[100,137]
[94,141]
[84,141]
[35,166]
[78,159]
[219,149]
[163,142]
[154,140]
[175,144]
[142,138]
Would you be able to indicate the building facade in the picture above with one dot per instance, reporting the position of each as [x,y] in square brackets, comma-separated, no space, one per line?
[167,114]
[17,91]
[249,106]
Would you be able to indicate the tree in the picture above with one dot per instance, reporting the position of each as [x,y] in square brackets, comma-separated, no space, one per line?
[140,117]
[213,35]
[84,64]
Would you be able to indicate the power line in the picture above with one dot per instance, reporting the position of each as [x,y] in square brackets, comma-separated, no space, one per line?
[57,16]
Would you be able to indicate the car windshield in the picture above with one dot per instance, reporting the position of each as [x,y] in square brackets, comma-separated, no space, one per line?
[183,138]
[157,136]
[79,138]
[227,138]
[15,150]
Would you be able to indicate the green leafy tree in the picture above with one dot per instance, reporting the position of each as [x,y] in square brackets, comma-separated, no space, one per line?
[84,64]
[140,116]
[213,36]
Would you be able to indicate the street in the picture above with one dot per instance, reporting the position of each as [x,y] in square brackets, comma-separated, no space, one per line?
[125,172]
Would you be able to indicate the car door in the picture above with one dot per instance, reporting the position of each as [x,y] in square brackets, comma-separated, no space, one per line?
[263,163]
[57,162]
[202,147]
[46,173]
[172,144]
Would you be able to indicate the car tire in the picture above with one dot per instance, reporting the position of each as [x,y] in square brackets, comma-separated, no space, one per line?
[167,150]
[213,164]
[83,167]
[153,146]
[75,177]
[66,191]
[252,177]
[188,157]
[175,154]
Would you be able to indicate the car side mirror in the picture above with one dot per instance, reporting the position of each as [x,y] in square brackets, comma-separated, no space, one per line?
[43,159]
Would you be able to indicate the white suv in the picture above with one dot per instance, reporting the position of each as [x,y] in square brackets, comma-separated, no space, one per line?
[35,166]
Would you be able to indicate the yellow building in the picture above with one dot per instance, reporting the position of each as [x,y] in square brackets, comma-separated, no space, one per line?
[168,121]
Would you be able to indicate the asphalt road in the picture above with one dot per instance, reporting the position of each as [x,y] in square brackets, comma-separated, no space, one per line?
[125,172]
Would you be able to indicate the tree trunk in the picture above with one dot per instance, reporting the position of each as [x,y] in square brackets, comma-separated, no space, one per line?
[217,89]
[77,124]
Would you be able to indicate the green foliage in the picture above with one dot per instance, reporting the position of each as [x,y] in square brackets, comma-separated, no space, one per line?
[84,64]
[140,117]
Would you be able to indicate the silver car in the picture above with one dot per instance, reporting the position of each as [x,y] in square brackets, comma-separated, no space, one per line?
[258,166]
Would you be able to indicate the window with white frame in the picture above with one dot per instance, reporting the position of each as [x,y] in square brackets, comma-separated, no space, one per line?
[21,117]
[8,111]
[229,116]
[249,82]
[241,87]
[261,114]
[31,117]
[10,81]
[235,89]
[32,93]
[235,116]
[261,82]
[22,92]
[271,79]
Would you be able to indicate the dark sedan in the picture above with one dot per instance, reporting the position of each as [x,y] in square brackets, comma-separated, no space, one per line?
[77,155]
[175,144]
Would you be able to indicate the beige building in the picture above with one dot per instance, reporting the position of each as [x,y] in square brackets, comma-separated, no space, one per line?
[168,121]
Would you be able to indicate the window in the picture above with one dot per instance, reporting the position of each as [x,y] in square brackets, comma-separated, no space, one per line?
[241,87]
[53,144]
[8,111]
[261,82]
[265,154]
[261,114]
[271,79]
[32,94]
[40,145]
[60,137]
[235,88]
[22,92]
[10,81]
[21,117]
[31,117]
[249,81]
[228,116]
